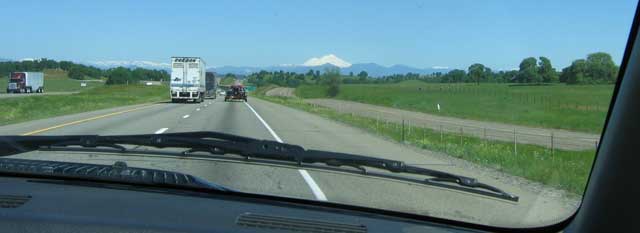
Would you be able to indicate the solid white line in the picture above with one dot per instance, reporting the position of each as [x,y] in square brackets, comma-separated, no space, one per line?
[264,123]
[161,130]
[317,192]
[185,116]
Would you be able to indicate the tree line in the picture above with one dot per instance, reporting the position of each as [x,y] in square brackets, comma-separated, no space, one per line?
[122,75]
[75,71]
[596,68]
[119,75]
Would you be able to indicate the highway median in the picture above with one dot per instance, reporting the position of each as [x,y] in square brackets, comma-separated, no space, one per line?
[15,110]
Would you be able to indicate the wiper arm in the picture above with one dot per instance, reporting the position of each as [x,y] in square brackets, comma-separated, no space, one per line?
[221,143]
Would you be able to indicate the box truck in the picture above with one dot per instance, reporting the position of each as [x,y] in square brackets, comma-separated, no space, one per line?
[188,81]
[26,82]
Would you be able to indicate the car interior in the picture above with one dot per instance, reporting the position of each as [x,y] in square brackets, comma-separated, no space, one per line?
[38,204]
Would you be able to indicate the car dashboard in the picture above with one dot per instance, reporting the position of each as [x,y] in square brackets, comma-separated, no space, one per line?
[49,205]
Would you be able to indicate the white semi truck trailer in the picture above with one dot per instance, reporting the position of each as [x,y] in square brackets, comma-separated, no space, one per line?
[26,82]
[188,79]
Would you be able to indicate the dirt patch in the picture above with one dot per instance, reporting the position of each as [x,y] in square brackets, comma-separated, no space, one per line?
[281,91]
[551,138]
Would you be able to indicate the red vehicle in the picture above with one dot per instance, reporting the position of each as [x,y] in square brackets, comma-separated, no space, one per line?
[237,92]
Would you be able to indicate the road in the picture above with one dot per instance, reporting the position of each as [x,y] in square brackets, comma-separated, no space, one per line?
[12,95]
[265,120]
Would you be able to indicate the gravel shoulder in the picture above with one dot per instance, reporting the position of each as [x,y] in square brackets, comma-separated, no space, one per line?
[11,95]
[552,138]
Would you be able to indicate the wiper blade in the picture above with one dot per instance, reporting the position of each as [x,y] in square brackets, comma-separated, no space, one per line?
[119,172]
[221,143]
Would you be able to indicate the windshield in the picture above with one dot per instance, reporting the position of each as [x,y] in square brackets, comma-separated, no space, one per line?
[512,94]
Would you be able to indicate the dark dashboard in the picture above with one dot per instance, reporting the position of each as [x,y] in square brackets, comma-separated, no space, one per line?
[46,205]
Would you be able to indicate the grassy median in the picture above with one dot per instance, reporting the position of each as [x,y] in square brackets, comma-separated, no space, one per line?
[567,170]
[20,109]
[560,106]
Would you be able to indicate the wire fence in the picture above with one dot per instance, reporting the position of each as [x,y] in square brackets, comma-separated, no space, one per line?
[551,139]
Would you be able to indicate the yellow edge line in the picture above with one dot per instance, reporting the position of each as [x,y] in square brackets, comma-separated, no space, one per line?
[85,120]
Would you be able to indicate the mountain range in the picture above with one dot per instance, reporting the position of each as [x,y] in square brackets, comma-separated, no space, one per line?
[322,63]
[372,69]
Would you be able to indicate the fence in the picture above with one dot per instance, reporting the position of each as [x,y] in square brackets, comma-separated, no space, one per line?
[551,139]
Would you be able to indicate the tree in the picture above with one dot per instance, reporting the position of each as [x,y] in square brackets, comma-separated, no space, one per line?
[577,72]
[363,74]
[350,73]
[528,72]
[333,79]
[546,71]
[118,75]
[601,68]
[598,68]
[75,73]
[454,76]
[477,72]
[66,65]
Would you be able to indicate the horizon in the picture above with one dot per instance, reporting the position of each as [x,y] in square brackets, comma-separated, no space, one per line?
[255,34]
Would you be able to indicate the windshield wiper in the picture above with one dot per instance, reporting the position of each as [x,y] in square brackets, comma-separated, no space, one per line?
[119,172]
[221,143]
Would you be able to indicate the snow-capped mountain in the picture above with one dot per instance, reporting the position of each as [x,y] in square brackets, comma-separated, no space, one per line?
[327,59]
[129,64]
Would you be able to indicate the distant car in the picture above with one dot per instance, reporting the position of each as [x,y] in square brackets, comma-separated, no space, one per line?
[237,92]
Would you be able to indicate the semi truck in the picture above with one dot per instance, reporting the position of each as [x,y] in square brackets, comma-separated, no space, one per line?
[26,82]
[210,85]
[188,81]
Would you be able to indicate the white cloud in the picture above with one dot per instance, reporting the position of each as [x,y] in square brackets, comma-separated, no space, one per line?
[440,67]
[327,59]
[27,59]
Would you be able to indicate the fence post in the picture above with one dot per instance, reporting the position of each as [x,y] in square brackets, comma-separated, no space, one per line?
[515,142]
[485,133]
[402,131]
[596,144]
[377,122]
[552,143]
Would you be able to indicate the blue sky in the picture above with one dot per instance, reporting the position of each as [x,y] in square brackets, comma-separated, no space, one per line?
[258,33]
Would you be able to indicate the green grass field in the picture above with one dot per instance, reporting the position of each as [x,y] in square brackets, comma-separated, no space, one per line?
[580,108]
[57,80]
[567,170]
[14,110]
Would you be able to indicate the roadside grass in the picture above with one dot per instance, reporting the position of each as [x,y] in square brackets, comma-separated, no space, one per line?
[14,110]
[567,170]
[57,80]
[581,107]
